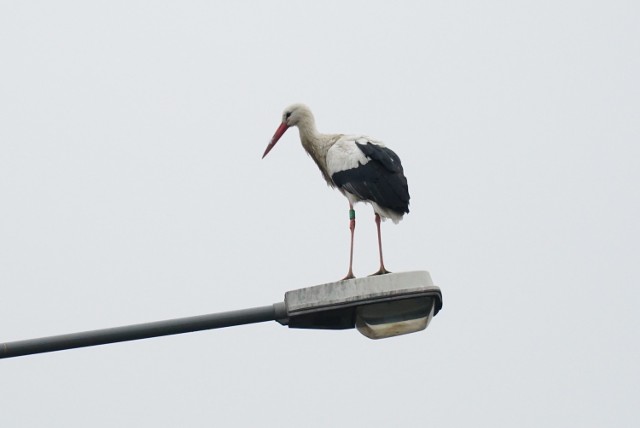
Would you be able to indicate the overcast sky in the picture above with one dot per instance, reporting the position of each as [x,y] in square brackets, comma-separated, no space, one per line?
[132,190]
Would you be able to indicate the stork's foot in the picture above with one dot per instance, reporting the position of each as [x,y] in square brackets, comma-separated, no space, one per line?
[381,271]
[350,275]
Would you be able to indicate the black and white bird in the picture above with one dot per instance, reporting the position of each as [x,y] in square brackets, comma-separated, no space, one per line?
[362,168]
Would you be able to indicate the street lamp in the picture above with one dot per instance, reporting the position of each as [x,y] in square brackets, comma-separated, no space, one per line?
[378,306]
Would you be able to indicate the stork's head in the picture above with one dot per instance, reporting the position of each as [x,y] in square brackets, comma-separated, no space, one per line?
[295,115]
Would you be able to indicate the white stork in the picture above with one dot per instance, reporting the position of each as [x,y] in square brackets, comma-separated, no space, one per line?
[362,168]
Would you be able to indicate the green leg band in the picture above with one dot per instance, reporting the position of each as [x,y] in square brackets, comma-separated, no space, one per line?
[352,214]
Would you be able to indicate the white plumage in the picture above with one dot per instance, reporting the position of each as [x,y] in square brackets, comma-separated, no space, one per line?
[344,154]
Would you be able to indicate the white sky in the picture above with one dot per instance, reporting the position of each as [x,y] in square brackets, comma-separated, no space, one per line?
[132,190]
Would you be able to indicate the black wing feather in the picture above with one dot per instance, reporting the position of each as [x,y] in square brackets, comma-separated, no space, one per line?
[380,180]
[387,157]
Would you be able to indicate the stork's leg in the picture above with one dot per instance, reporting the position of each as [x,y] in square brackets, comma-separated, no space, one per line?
[382,269]
[352,227]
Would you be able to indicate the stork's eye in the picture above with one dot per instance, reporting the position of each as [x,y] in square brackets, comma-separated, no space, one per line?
[288,115]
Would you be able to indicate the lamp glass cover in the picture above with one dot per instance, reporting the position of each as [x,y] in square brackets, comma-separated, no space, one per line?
[394,318]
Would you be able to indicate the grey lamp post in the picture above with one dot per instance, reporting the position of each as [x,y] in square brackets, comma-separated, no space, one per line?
[378,306]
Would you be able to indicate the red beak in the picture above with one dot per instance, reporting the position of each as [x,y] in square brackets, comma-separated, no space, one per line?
[279,132]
